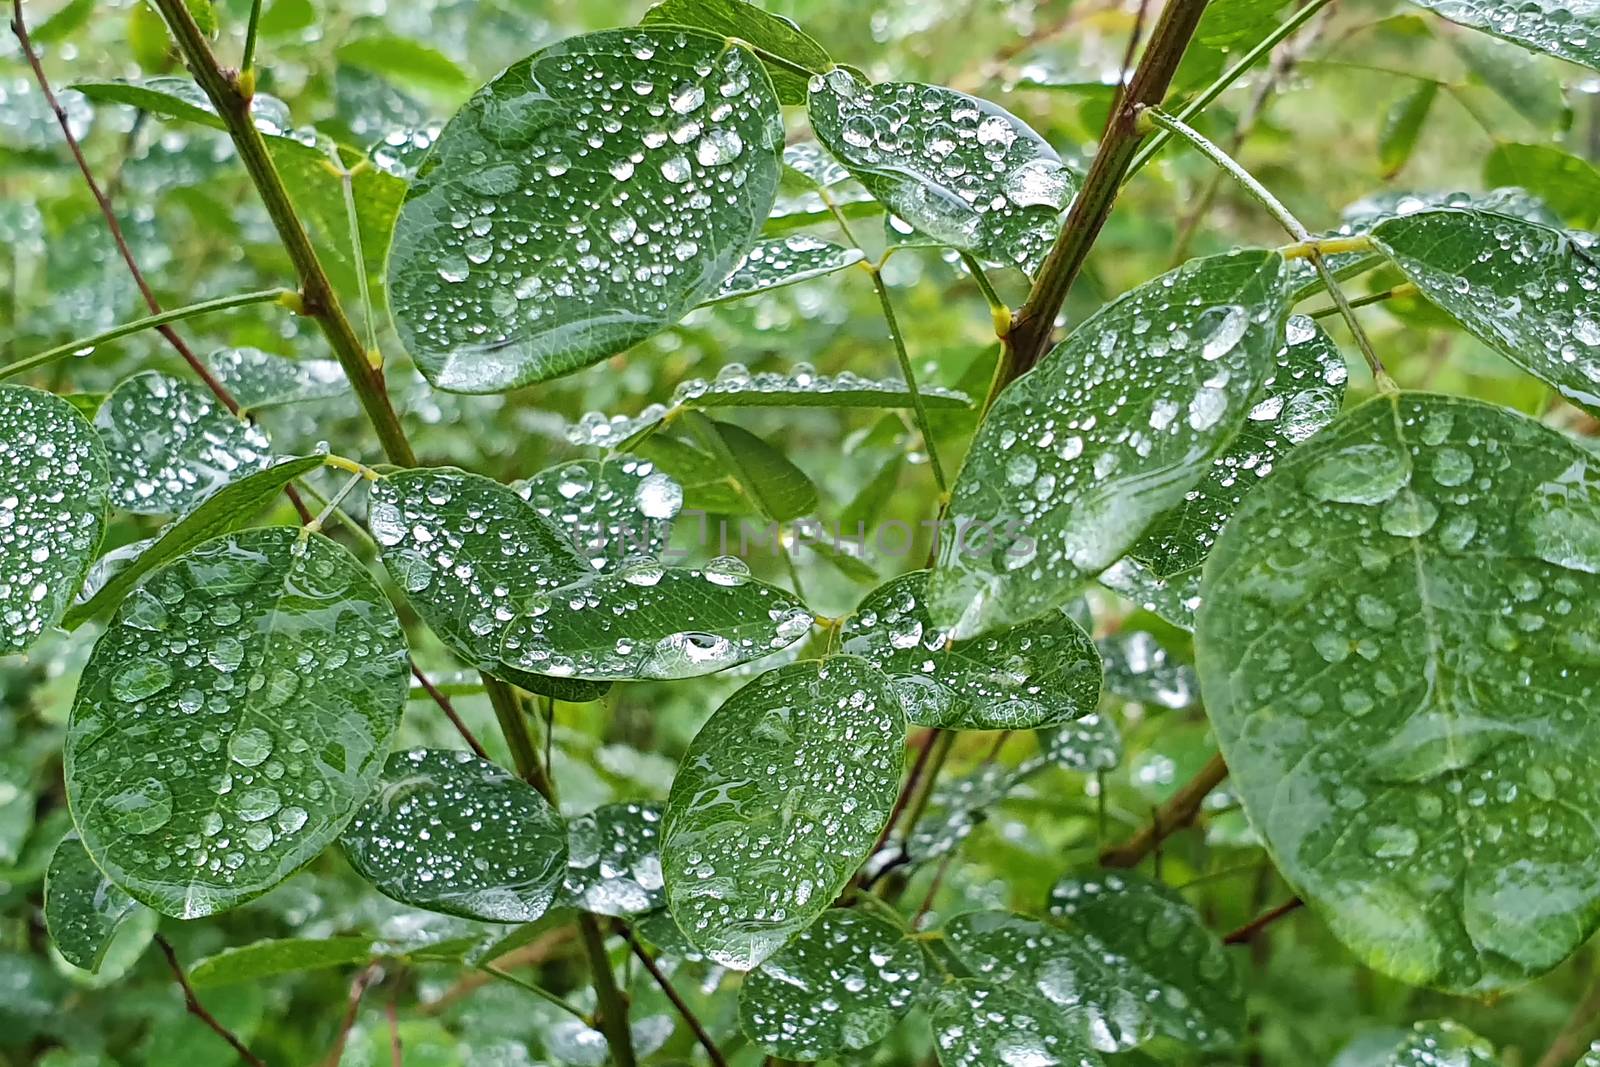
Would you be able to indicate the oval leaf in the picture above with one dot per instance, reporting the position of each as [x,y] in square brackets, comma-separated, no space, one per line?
[781,261]
[259,379]
[1568,30]
[744,21]
[1433,1043]
[778,800]
[231,718]
[614,860]
[609,183]
[612,509]
[1376,617]
[269,959]
[82,908]
[977,1023]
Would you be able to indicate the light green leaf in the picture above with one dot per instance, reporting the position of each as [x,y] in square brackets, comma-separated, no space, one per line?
[778,800]
[203,777]
[780,261]
[1301,395]
[965,172]
[1402,125]
[1568,183]
[54,491]
[1037,674]
[259,379]
[449,832]
[231,507]
[773,486]
[269,959]
[1555,27]
[1397,652]
[170,444]
[83,910]
[978,1023]
[840,985]
[405,61]
[614,860]
[167,97]
[650,621]
[1524,81]
[1139,668]
[1174,599]
[582,170]
[1522,288]
[746,22]
[611,510]
[1436,1043]
[1113,427]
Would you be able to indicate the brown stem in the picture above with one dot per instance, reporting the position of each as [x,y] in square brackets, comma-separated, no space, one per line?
[1179,811]
[397,1056]
[1568,1044]
[358,989]
[198,1010]
[684,1010]
[449,710]
[1247,933]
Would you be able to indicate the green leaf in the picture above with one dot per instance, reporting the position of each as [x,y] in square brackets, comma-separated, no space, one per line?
[270,959]
[778,800]
[1112,428]
[259,379]
[1570,31]
[166,97]
[231,718]
[1592,1057]
[614,860]
[54,491]
[1397,651]
[231,507]
[1524,81]
[1568,183]
[1402,125]
[962,170]
[650,621]
[1139,668]
[1158,946]
[1519,287]
[1301,395]
[1091,743]
[1227,29]
[452,833]
[1175,599]
[609,183]
[775,487]
[1443,1042]
[1037,674]
[405,61]
[611,510]
[840,985]
[780,261]
[978,1023]
[770,33]
[83,910]
[63,22]
[736,387]
[171,444]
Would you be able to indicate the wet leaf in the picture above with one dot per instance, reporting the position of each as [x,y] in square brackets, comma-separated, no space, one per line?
[54,493]
[614,860]
[403,60]
[746,22]
[1112,428]
[1525,82]
[1522,288]
[1568,183]
[83,910]
[1037,674]
[1091,743]
[269,959]
[777,801]
[171,444]
[1139,668]
[965,172]
[1569,31]
[168,97]
[592,165]
[1431,1044]
[735,386]
[1174,599]
[231,718]
[1402,125]
[259,379]
[780,261]
[977,1023]
[611,510]
[840,985]
[449,832]
[651,621]
[1397,650]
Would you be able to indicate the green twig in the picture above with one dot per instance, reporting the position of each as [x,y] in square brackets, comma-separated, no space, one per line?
[537,990]
[924,427]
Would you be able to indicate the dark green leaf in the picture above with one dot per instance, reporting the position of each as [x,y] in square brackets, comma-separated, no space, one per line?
[611,510]
[1402,125]
[978,1023]
[1569,31]
[1175,599]
[269,959]
[614,860]
[259,379]
[736,387]
[1568,183]
[780,261]
[82,909]
[746,22]
[168,97]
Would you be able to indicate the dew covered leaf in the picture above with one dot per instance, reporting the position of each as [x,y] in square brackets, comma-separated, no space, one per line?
[780,261]
[260,379]
[1078,456]
[83,910]
[584,199]
[1138,667]
[170,444]
[840,985]
[962,170]
[1039,673]
[614,860]
[55,487]
[269,959]
[735,386]
[1376,617]
[978,1023]
[1174,599]
[168,97]
[1556,27]
[650,621]
[231,718]
[231,507]
[776,803]
[1439,1042]
[1569,184]
[613,509]
[746,22]
[449,832]
[1530,291]
[1302,394]
[1091,743]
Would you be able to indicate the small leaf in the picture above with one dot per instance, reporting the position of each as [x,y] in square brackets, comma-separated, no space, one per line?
[1174,599]
[1524,81]
[977,1023]
[1434,1043]
[168,97]
[259,379]
[611,510]
[202,778]
[54,491]
[1091,743]
[269,959]
[1139,668]
[965,172]
[650,621]
[405,61]
[1569,31]
[171,444]
[600,161]
[82,909]
[778,800]
[1402,125]
[1568,183]
[736,387]
[614,860]
[1519,287]
[1112,428]
[449,832]
[774,487]
[1428,801]
[771,33]
[1038,674]
[780,261]
[839,986]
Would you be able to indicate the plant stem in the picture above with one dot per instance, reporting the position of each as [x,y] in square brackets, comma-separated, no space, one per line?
[661,980]
[921,409]
[449,710]
[248,63]
[1403,289]
[1179,811]
[198,1010]
[998,310]
[87,345]
[1247,933]
[508,712]
[317,297]
[612,1008]
[358,989]
[534,988]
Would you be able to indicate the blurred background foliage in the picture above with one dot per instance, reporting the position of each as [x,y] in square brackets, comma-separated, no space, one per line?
[1371,99]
